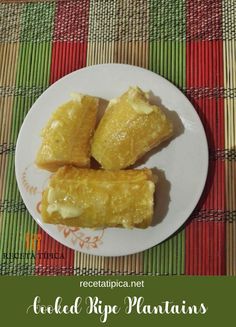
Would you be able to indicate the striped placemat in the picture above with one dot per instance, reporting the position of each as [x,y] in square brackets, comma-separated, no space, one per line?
[192,44]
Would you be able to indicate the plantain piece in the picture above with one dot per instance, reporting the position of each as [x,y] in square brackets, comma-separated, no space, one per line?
[66,139]
[99,198]
[130,127]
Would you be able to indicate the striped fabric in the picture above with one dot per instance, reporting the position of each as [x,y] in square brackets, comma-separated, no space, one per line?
[192,44]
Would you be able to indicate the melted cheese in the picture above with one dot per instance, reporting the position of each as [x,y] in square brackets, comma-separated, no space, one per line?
[141,107]
[66,211]
[55,124]
[76,96]
[138,103]
[112,102]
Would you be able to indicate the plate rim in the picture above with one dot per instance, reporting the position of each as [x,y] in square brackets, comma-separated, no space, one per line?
[197,194]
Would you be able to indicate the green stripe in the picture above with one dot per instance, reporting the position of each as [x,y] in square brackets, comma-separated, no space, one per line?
[166,258]
[33,69]
[167,20]
[37,22]
[167,57]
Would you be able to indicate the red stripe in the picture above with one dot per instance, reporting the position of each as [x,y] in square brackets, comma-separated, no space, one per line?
[70,38]
[66,58]
[69,50]
[205,240]
[53,258]
[204,19]
[205,248]
[72,21]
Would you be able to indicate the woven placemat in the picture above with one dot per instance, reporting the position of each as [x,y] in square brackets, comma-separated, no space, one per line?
[192,44]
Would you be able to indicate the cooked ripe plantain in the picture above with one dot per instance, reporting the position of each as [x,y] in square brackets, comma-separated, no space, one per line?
[130,127]
[99,198]
[66,139]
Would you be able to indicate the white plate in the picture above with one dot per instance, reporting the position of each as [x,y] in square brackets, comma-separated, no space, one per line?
[182,162]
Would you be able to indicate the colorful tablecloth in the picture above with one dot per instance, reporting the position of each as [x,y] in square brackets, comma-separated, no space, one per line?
[189,42]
